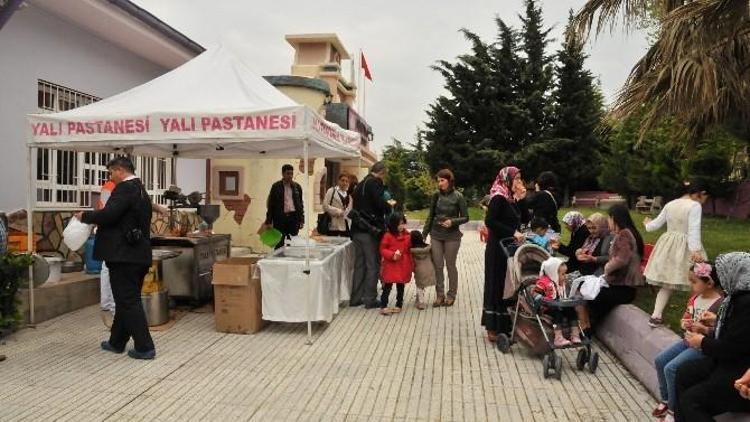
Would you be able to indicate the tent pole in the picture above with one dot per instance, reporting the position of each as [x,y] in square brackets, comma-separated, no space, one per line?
[30,229]
[306,154]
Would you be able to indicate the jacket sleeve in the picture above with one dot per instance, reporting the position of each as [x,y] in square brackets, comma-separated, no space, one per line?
[733,343]
[386,247]
[577,240]
[328,205]
[619,256]
[117,205]
[603,256]
[430,215]
[463,210]
[497,214]
[688,315]
[269,205]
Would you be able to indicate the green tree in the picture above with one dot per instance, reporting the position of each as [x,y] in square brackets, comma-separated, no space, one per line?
[536,74]
[408,178]
[577,110]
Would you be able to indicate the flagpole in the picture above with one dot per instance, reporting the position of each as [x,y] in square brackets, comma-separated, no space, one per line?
[360,81]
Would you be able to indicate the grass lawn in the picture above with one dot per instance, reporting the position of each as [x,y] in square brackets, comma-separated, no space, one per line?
[719,236]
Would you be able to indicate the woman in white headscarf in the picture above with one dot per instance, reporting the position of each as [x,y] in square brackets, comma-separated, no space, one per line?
[705,387]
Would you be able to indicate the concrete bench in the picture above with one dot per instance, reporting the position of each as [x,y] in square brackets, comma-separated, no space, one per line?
[627,334]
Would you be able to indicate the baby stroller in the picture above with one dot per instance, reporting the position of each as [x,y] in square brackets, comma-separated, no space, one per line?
[530,327]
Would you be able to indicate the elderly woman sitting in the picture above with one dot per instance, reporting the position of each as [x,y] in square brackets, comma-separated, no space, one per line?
[594,253]
[575,222]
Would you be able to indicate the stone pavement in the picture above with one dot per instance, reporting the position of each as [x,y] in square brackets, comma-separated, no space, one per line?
[419,365]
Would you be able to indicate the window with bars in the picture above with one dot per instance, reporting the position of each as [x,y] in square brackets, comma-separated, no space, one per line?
[66,179]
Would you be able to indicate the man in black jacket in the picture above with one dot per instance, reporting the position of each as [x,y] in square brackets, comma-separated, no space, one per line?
[123,243]
[371,209]
[285,206]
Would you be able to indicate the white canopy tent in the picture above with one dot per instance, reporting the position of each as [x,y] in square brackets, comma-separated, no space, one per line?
[213,106]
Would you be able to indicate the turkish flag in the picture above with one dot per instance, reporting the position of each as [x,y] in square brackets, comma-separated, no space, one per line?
[366,68]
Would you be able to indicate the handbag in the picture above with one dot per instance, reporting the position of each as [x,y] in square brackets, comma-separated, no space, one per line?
[324,220]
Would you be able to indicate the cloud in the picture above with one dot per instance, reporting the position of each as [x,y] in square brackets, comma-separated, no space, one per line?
[401,40]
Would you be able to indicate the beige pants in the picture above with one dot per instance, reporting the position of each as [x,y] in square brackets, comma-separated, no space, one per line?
[445,252]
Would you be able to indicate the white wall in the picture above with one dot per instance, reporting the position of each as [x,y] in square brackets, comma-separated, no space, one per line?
[37,45]
[191,175]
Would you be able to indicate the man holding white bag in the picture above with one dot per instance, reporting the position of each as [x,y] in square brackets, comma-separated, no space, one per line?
[123,243]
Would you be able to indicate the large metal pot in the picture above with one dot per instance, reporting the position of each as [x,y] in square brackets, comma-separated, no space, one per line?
[156,307]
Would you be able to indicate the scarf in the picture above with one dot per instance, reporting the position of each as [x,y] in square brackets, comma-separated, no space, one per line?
[504,182]
[574,219]
[734,276]
[602,230]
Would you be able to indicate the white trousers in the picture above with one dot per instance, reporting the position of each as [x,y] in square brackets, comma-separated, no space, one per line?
[107,300]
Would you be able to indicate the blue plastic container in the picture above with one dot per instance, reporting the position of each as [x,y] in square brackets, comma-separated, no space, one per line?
[92,265]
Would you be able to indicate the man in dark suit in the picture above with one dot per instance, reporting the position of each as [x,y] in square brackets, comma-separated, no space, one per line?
[123,243]
[285,206]
[370,207]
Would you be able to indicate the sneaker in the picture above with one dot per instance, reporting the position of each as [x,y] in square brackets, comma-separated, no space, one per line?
[491,336]
[142,355]
[655,322]
[107,318]
[450,301]
[562,342]
[660,410]
[372,305]
[109,348]
[421,306]
[396,310]
[439,301]
[385,311]
[669,417]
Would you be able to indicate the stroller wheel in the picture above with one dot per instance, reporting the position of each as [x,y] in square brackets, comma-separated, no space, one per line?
[503,343]
[546,366]
[594,362]
[582,359]
[558,367]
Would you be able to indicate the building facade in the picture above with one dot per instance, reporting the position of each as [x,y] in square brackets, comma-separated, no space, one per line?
[63,54]
[317,81]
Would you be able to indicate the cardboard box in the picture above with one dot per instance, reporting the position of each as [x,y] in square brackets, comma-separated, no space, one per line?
[237,296]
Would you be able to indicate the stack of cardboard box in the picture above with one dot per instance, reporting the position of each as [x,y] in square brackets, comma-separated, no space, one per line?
[237,296]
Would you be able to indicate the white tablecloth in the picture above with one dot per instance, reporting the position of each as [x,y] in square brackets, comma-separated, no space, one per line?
[283,283]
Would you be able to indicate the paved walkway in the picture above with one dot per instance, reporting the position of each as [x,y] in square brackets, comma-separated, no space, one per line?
[419,365]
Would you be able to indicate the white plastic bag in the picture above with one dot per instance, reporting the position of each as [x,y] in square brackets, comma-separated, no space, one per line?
[591,285]
[76,234]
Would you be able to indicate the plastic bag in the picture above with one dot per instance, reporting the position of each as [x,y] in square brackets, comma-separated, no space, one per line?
[591,285]
[76,234]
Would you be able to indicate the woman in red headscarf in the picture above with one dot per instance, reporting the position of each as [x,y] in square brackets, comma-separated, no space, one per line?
[506,211]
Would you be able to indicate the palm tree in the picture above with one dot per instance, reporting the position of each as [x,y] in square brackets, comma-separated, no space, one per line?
[697,70]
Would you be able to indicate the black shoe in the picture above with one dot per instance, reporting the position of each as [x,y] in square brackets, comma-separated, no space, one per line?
[356,304]
[109,348]
[372,305]
[142,355]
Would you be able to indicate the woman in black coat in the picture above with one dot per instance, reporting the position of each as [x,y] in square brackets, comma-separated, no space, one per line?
[705,387]
[505,213]
[575,222]
[544,202]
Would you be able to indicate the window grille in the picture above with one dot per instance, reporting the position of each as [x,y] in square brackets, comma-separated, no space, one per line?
[66,179]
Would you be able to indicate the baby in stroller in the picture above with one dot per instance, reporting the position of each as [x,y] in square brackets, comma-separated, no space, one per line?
[551,286]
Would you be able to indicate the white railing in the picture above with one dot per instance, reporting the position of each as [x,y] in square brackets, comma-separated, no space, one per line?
[66,179]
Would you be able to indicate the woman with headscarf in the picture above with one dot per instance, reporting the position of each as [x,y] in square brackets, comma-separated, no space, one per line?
[576,225]
[506,211]
[705,387]
[594,253]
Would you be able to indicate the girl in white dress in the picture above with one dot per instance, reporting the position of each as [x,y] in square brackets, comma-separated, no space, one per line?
[678,248]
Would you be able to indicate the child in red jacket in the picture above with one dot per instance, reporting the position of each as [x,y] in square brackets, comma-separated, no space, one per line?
[397,264]
[551,286]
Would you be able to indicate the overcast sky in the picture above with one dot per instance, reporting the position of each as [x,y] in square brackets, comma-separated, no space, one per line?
[401,40]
